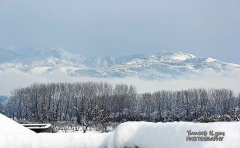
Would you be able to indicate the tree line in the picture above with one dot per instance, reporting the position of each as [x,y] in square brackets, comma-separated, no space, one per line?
[100,104]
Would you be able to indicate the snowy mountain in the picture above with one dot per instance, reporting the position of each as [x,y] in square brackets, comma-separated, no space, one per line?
[158,65]
[28,56]
[164,64]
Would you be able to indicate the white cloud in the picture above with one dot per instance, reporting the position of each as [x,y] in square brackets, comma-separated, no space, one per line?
[12,79]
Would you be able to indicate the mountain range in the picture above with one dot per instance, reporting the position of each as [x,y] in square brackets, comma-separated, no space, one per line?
[154,66]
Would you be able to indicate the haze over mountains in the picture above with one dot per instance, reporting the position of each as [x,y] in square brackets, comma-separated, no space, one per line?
[155,66]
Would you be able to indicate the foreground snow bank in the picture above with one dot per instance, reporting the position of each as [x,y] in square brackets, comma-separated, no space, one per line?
[59,140]
[14,135]
[129,134]
[177,134]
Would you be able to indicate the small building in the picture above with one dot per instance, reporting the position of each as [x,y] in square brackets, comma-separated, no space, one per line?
[39,128]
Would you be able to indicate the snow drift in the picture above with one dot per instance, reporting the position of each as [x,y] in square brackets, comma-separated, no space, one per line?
[129,134]
[177,134]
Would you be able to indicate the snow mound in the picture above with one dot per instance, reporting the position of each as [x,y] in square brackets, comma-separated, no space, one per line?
[177,134]
[10,127]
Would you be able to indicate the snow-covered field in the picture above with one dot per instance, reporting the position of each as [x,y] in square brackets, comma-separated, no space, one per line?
[129,134]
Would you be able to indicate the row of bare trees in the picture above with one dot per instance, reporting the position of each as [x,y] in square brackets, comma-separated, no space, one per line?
[191,105]
[91,103]
[85,103]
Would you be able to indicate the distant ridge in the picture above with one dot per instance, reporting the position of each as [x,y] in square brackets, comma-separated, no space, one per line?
[157,65]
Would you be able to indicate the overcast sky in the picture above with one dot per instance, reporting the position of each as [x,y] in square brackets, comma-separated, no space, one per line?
[121,27]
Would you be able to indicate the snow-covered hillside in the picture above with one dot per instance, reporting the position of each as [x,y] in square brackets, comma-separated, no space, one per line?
[129,134]
[158,65]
